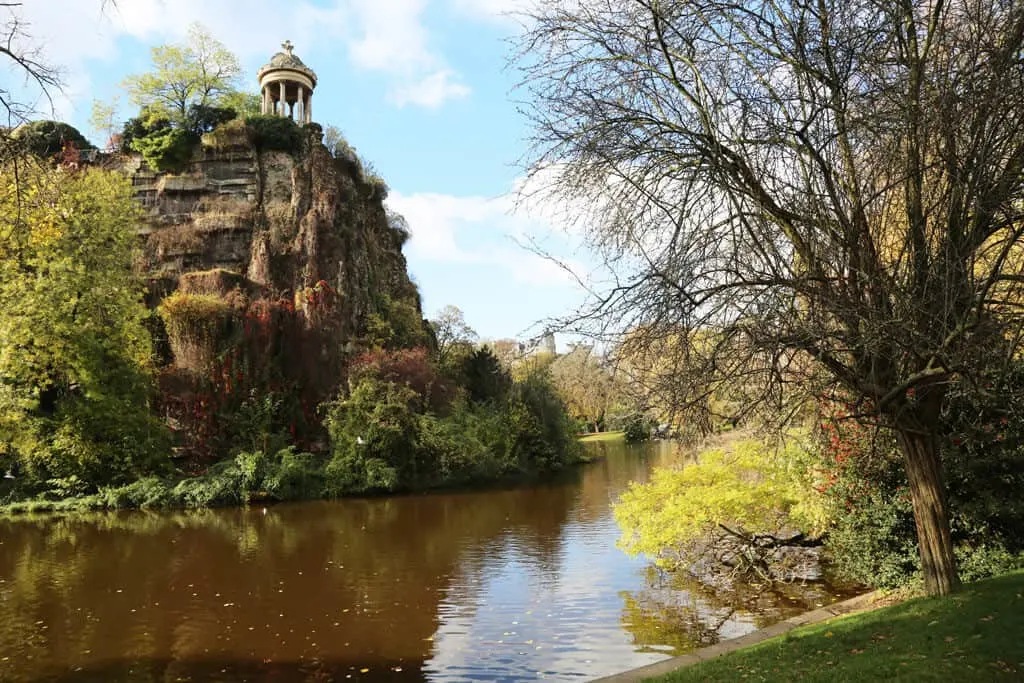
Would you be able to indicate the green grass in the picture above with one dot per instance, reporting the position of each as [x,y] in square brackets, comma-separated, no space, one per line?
[975,635]
[603,436]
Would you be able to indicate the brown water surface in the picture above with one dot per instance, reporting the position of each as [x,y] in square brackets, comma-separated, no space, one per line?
[507,584]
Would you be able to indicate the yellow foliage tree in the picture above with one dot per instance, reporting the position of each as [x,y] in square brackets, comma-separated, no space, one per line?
[734,507]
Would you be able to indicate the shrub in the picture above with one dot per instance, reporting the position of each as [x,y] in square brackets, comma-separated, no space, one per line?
[47,139]
[277,133]
[680,514]
[150,492]
[252,468]
[195,324]
[220,485]
[294,476]
[166,149]
[397,324]
[374,436]
[203,119]
[230,134]
[404,367]
[873,537]
[636,428]
[378,187]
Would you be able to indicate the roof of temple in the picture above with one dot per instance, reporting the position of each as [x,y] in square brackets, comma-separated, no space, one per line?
[286,59]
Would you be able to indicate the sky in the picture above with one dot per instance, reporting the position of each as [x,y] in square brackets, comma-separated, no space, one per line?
[422,89]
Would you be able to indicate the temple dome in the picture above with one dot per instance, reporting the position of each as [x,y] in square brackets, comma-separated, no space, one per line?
[286,60]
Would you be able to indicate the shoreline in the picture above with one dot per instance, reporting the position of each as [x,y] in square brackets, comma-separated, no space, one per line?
[861,603]
[106,499]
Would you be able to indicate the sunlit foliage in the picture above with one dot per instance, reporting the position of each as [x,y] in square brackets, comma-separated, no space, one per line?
[74,355]
[747,492]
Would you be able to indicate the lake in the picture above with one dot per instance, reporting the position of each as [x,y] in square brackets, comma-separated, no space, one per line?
[506,584]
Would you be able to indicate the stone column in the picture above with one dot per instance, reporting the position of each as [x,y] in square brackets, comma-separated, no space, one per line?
[263,100]
[284,102]
[300,109]
[309,108]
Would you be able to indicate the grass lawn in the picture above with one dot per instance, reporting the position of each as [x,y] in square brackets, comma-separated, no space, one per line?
[975,635]
[603,436]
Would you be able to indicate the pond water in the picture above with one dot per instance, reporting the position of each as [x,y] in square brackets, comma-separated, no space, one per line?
[507,584]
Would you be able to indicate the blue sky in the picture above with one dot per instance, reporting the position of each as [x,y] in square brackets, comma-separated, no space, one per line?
[421,88]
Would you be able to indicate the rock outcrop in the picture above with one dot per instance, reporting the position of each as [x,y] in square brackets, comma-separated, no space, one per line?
[269,269]
[281,221]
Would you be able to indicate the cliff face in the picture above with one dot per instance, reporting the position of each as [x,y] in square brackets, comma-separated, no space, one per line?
[269,269]
[281,221]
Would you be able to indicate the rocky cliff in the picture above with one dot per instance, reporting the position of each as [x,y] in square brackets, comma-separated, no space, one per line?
[269,269]
[279,221]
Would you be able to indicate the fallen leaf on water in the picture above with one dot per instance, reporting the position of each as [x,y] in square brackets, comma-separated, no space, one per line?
[364,670]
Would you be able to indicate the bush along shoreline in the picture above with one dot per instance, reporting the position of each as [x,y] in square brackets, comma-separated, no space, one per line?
[403,427]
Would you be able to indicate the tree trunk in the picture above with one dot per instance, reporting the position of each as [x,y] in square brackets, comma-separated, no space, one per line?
[928,492]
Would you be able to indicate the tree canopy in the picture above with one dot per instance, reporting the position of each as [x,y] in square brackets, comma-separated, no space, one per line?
[200,72]
[833,187]
[73,348]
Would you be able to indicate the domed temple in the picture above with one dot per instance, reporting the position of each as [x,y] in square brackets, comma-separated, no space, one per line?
[286,86]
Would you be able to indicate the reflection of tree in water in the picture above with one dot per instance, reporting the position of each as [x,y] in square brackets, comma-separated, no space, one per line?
[289,592]
[679,612]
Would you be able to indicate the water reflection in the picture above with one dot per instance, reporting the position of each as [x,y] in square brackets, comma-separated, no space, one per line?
[503,584]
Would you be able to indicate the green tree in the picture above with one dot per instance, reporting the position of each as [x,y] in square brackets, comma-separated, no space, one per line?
[73,348]
[484,377]
[47,139]
[199,72]
[244,104]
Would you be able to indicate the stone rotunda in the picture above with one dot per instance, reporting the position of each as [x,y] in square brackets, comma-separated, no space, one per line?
[286,86]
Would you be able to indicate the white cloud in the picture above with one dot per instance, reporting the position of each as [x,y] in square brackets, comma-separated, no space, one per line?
[490,232]
[391,36]
[432,91]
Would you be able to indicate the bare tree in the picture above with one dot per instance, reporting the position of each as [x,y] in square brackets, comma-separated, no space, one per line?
[26,60]
[452,331]
[833,187]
